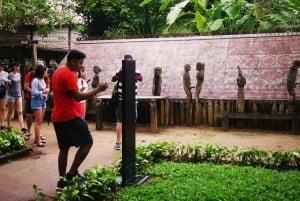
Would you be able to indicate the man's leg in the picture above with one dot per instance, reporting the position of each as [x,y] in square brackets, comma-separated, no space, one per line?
[29,118]
[79,158]
[63,161]
[119,132]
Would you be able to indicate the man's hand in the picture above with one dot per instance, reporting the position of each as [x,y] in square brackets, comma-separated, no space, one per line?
[102,86]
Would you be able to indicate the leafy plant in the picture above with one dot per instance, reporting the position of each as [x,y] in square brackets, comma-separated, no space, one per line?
[100,184]
[11,141]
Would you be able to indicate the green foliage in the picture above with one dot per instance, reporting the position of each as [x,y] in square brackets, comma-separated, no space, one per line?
[207,181]
[165,151]
[231,16]
[190,177]
[42,15]
[100,185]
[11,141]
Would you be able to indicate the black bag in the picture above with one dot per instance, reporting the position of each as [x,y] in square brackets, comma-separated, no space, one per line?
[114,97]
[2,91]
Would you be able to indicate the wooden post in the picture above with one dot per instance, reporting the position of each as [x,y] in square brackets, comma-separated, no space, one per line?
[187,111]
[182,113]
[167,106]
[254,108]
[204,113]
[216,111]
[153,116]
[171,116]
[274,122]
[281,111]
[210,113]
[99,115]
[162,112]
[197,113]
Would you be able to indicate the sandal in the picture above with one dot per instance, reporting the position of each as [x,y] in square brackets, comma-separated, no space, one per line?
[26,137]
[43,141]
[40,144]
[43,138]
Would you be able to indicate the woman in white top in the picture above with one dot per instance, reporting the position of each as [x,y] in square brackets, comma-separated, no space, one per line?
[83,86]
[15,95]
[39,93]
[3,93]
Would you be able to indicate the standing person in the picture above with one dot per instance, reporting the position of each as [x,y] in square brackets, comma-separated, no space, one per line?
[83,87]
[29,112]
[3,93]
[119,77]
[15,95]
[70,128]
[39,93]
[291,80]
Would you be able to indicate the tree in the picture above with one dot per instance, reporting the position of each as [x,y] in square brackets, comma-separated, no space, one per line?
[41,16]
[231,15]
[44,16]
[130,17]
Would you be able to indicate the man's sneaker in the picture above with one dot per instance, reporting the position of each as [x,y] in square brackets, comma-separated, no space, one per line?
[61,184]
[77,174]
[117,146]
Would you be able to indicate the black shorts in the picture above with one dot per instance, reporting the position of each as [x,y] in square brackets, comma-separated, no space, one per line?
[119,111]
[28,107]
[72,133]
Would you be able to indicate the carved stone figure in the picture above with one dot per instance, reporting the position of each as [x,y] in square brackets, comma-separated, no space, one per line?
[156,88]
[291,80]
[187,82]
[200,78]
[241,82]
[96,79]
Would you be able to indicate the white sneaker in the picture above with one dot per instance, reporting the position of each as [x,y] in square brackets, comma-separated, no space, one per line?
[117,146]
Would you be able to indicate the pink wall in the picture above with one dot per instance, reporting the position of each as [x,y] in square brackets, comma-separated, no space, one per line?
[263,58]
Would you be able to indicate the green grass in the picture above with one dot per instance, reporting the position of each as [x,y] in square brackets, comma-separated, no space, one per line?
[186,182]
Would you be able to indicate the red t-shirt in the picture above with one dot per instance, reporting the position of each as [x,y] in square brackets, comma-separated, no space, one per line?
[65,106]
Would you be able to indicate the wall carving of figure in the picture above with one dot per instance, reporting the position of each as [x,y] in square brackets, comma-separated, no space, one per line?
[96,79]
[291,80]
[156,88]
[187,82]
[241,82]
[200,67]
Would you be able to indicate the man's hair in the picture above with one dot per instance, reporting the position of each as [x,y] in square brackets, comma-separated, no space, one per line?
[75,55]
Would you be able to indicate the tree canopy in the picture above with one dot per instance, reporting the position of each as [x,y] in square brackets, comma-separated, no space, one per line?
[42,15]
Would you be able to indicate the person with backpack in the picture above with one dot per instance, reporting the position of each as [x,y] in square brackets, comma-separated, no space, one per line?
[118,77]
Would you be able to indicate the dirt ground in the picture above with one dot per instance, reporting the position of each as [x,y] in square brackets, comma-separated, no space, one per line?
[40,167]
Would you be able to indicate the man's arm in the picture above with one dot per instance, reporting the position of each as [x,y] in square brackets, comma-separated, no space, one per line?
[79,96]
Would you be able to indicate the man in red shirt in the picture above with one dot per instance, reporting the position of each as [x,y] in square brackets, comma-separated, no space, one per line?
[70,128]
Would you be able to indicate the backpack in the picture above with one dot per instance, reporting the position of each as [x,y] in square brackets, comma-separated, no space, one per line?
[114,97]
[27,93]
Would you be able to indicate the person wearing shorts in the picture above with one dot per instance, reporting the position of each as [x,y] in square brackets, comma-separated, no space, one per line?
[27,96]
[3,94]
[39,94]
[119,78]
[14,99]
[70,128]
